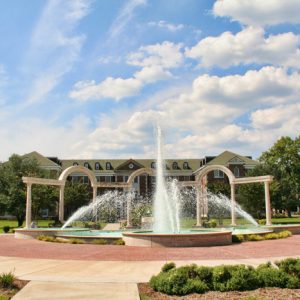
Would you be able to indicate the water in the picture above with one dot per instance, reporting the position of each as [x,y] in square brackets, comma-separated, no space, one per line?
[166,198]
[110,207]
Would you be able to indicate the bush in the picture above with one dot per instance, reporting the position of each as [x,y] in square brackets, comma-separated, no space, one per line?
[271,236]
[76,241]
[7,280]
[119,242]
[239,238]
[99,242]
[6,229]
[262,222]
[46,238]
[168,266]
[205,275]
[290,266]
[255,237]
[284,234]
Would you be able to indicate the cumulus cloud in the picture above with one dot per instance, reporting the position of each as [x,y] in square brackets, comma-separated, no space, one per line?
[154,61]
[166,55]
[259,13]
[116,88]
[247,47]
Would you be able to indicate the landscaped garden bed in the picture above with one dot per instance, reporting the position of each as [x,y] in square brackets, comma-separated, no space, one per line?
[225,280]
[10,285]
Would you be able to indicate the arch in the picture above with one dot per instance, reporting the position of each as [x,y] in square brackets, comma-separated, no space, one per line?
[79,169]
[139,172]
[208,169]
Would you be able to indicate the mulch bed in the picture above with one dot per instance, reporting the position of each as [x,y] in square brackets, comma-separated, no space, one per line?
[10,292]
[259,294]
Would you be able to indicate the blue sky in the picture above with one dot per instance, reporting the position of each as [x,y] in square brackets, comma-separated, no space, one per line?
[83,78]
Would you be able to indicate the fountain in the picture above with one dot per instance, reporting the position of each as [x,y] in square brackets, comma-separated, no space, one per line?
[169,200]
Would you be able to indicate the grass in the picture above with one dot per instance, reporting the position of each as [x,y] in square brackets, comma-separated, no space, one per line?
[14,224]
[189,222]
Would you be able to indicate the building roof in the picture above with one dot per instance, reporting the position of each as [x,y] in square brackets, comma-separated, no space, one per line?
[226,158]
[43,161]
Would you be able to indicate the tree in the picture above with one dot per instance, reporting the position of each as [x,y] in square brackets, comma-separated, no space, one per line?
[219,187]
[283,161]
[12,188]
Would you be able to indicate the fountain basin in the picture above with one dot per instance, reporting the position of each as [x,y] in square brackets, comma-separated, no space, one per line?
[33,233]
[293,228]
[191,239]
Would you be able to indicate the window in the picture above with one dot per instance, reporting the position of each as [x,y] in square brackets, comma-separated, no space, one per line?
[218,174]
[153,165]
[75,164]
[97,166]
[236,172]
[125,178]
[107,178]
[186,178]
[136,179]
[175,165]
[108,166]
[186,165]
[86,165]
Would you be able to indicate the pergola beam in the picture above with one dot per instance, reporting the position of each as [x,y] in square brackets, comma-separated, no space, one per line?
[256,179]
[42,181]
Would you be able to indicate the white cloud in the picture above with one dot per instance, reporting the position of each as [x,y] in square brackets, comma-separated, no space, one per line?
[152,74]
[166,55]
[257,12]
[115,88]
[246,47]
[154,60]
[166,25]
[54,46]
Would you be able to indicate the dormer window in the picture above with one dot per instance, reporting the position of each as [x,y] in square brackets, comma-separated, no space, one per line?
[97,166]
[108,166]
[175,165]
[75,164]
[236,172]
[186,165]
[86,165]
[153,165]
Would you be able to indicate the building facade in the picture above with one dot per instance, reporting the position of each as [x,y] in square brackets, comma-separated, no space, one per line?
[119,170]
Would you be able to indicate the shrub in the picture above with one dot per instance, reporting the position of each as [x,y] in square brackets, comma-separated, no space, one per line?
[284,234]
[205,275]
[99,242]
[220,277]
[6,229]
[239,238]
[76,241]
[213,223]
[46,238]
[119,242]
[270,277]
[262,222]
[255,237]
[271,236]
[290,266]
[7,280]
[168,266]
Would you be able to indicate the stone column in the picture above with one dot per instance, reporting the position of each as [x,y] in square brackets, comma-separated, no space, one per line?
[233,216]
[199,208]
[61,204]
[95,212]
[94,193]
[268,204]
[204,199]
[28,206]
[128,208]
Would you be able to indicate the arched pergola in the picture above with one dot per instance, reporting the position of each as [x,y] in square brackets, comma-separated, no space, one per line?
[63,177]
[201,181]
[130,181]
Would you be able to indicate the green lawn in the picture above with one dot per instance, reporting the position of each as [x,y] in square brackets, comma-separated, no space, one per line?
[14,224]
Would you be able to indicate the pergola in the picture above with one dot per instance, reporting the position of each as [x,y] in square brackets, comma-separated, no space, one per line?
[199,184]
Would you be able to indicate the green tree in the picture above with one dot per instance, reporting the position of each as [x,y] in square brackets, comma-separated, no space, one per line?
[283,161]
[219,187]
[12,188]
[76,195]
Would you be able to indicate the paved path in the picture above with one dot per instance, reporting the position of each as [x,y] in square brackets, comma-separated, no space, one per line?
[111,226]
[63,271]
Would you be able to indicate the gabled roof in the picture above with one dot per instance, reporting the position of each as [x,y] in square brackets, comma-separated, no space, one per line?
[43,161]
[225,157]
[127,162]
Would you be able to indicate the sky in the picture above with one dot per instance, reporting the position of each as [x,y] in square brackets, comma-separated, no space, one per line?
[93,78]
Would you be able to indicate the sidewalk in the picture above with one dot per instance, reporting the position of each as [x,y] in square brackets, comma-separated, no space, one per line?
[78,279]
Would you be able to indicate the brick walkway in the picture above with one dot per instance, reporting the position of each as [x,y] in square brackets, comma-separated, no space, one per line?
[9,246]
